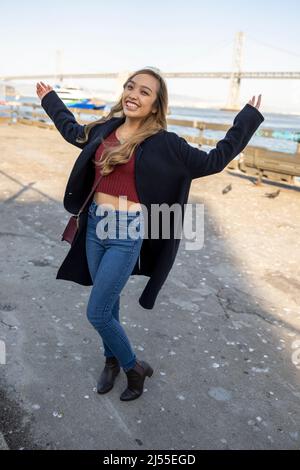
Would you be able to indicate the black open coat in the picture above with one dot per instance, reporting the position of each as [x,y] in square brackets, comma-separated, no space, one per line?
[165,166]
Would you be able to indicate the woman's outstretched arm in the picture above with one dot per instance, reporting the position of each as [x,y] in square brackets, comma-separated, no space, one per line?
[200,163]
[61,116]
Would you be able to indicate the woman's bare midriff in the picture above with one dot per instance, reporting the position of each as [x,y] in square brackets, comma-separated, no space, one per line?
[121,204]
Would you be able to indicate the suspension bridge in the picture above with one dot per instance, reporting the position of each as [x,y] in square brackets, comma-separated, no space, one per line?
[235,76]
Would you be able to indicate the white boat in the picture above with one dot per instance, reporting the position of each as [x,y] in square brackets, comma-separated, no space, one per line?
[70,94]
[74,96]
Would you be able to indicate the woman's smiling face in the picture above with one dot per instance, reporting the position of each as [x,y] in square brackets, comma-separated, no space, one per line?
[141,90]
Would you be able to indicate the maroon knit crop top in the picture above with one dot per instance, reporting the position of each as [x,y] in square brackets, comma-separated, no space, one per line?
[121,181]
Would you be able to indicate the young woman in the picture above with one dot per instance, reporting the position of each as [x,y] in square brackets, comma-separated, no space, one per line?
[143,162]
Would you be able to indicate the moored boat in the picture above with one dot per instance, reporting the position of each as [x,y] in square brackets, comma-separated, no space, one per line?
[77,97]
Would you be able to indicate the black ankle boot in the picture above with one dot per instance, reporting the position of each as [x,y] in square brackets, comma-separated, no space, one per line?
[108,375]
[135,380]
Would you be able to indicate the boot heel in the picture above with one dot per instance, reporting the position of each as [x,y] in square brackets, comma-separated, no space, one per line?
[149,371]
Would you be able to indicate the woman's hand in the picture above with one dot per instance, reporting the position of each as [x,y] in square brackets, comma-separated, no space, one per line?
[42,89]
[252,101]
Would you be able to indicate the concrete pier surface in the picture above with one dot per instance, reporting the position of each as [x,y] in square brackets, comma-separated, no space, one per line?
[223,338]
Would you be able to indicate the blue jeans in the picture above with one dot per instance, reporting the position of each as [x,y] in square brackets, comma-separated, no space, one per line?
[111,256]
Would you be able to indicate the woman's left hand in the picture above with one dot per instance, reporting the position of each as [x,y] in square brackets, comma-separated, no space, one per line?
[252,101]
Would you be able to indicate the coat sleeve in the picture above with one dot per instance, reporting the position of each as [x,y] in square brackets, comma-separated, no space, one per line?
[62,118]
[200,163]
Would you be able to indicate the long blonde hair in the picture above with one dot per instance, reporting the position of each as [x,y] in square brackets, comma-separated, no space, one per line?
[151,124]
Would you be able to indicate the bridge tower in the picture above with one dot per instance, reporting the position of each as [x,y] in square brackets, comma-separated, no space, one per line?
[233,99]
[122,77]
[59,66]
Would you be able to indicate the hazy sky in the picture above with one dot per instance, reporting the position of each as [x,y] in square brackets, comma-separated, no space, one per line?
[173,35]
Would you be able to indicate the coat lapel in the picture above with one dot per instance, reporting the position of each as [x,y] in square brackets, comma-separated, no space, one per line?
[106,129]
[90,149]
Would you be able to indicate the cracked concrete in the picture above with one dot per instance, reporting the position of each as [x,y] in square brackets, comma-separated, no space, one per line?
[223,338]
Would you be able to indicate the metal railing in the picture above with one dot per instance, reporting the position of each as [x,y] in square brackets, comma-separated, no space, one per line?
[254,160]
